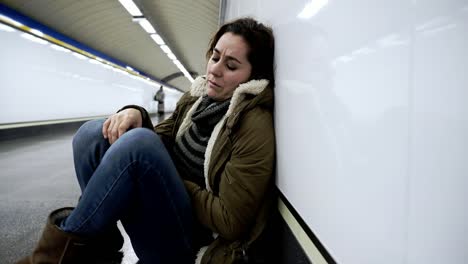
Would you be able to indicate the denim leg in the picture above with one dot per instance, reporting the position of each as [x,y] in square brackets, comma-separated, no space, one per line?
[135,181]
[89,146]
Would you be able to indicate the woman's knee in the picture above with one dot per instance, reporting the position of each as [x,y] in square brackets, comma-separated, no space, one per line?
[141,144]
[141,138]
[88,133]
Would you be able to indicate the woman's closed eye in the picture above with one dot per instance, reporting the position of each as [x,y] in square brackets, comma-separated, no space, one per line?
[228,65]
[231,67]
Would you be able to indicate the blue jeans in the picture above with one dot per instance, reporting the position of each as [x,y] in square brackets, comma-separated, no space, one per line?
[133,180]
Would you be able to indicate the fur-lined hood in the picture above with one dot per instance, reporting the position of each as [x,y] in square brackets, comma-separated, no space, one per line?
[258,88]
[253,87]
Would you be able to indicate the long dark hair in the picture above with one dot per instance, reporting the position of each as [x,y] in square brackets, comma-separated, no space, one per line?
[261,46]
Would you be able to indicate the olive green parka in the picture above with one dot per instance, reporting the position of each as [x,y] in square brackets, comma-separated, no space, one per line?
[238,169]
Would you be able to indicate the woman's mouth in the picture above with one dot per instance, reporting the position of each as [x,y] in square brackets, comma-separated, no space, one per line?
[213,84]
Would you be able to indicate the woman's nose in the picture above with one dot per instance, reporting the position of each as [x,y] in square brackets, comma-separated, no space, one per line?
[215,69]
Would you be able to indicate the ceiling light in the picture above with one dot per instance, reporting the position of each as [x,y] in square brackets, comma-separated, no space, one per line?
[146,25]
[180,66]
[187,75]
[157,39]
[166,49]
[171,56]
[137,16]
[131,7]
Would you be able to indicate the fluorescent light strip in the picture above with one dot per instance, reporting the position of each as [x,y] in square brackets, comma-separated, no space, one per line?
[146,25]
[131,7]
[137,16]
[174,59]
[181,67]
[171,56]
[183,70]
[165,48]
[157,38]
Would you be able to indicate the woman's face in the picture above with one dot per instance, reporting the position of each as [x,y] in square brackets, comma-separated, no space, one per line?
[228,66]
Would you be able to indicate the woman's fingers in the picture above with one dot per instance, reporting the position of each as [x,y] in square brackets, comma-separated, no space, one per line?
[113,135]
[117,124]
[105,127]
[109,128]
[122,127]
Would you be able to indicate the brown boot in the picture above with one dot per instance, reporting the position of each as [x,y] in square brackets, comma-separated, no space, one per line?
[56,246]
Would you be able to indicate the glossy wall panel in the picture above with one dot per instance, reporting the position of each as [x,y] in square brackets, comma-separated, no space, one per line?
[352,87]
[438,221]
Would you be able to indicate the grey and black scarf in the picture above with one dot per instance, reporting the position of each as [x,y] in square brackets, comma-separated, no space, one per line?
[190,148]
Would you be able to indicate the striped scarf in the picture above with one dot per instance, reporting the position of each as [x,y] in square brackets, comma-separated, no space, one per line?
[190,147]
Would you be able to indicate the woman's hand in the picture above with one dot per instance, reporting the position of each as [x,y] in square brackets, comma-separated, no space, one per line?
[117,124]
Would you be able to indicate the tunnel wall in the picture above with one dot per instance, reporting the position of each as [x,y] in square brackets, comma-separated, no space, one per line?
[39,82]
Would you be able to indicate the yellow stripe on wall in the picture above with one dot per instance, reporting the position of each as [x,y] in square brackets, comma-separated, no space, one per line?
[307,245]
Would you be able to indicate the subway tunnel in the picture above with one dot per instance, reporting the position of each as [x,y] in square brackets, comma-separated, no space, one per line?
[370,115]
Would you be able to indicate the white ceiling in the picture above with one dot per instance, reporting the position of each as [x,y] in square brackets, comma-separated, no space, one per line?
[106,26]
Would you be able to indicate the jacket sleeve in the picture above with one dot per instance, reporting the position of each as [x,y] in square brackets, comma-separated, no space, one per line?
[146,120]
[243,182]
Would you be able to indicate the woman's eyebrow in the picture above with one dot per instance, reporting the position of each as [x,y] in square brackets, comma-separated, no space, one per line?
[228,57]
